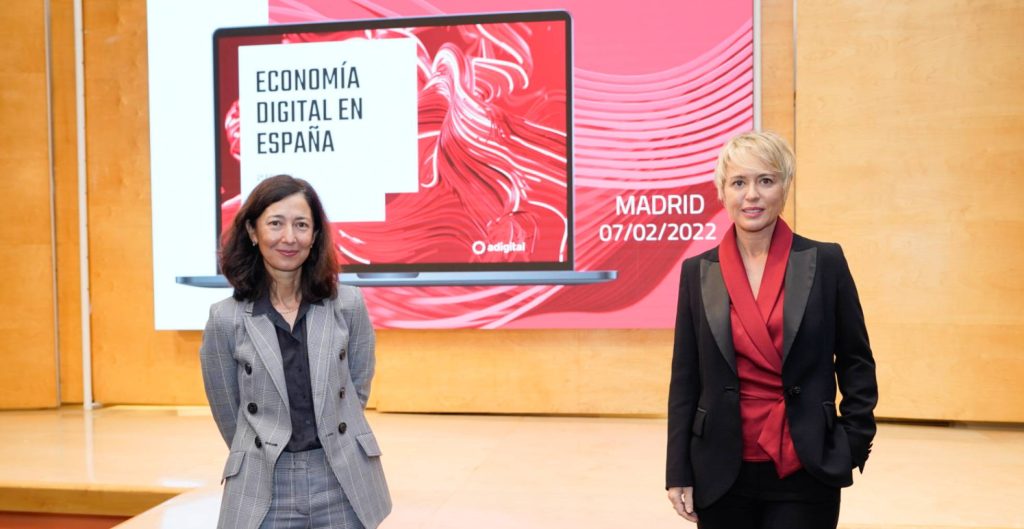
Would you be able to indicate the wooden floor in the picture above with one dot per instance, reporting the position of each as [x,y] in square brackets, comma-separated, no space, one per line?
[493,472]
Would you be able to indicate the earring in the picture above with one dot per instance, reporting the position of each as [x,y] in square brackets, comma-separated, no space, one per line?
[254,242]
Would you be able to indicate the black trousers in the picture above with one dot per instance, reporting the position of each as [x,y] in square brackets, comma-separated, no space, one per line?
[760,500]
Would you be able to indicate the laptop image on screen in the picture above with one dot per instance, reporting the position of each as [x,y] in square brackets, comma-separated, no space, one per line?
[441,147]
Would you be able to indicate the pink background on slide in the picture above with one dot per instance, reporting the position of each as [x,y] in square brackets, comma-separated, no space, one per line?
[659,87]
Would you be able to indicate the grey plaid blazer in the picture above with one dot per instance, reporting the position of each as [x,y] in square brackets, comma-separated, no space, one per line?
[241,363]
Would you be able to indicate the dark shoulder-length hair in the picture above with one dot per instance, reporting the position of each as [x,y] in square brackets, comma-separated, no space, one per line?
[241,261]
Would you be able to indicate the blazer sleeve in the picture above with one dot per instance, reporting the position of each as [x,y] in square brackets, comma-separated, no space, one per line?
[684,386]
[362,343]
[855,366]
[220,377]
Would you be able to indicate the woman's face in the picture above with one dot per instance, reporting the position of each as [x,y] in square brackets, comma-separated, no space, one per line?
[284,233]
[753,196]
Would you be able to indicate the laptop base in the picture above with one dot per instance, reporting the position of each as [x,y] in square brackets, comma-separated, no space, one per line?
[430,279]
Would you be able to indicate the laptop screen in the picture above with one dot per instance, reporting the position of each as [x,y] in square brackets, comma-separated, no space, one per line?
[439,143]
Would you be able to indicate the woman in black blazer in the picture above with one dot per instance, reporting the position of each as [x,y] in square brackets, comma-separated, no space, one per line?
[767,323]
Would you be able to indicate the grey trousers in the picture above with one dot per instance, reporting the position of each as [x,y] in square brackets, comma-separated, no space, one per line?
[307,495]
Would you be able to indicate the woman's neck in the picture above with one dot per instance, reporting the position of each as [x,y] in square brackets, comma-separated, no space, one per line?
[755,245]
[284,287]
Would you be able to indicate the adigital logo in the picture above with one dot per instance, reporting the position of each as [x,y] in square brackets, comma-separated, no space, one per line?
[479,247]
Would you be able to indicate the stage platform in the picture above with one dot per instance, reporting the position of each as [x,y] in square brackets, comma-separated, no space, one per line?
[161,466]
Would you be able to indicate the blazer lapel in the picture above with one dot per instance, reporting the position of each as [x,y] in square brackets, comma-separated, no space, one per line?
[264,337]
[799,278]
[318,345]
[716,308]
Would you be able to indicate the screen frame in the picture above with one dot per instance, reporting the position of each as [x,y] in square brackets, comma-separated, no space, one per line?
[405,22]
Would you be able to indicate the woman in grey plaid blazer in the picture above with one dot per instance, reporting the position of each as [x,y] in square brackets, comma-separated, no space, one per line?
[287,364]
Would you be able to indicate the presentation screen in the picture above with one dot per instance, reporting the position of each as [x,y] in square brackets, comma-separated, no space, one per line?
[486,164]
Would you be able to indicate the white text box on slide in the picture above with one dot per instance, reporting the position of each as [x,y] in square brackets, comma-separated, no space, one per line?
[341,115]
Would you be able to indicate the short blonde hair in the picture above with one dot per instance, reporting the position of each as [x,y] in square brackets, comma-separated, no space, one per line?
[766,148]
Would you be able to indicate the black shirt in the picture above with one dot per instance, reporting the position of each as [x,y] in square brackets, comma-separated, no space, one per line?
[295,358]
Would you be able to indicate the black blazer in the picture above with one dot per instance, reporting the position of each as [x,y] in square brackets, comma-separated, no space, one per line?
[824,339]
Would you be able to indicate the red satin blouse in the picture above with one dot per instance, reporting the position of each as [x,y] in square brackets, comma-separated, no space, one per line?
[757,339]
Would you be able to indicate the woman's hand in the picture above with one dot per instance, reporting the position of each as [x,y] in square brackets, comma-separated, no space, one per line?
[682,501]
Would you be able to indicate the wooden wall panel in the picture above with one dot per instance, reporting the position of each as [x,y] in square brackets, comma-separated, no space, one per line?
[777,80]
[535,371]
[65,171]
[909,129]
[132,363]
[777,90]
[27,351]
[908,137]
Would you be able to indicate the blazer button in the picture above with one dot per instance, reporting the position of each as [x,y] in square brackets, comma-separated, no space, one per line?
[793,391]
[259,444]
[342,427]
[248,368]
[252,407]
[341,394]
[341,355]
